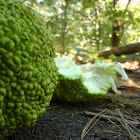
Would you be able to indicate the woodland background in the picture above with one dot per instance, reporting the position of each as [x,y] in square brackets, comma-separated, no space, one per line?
[82,29]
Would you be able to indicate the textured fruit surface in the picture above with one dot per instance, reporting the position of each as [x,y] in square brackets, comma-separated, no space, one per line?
[28,73]
[82,83]
[69,90]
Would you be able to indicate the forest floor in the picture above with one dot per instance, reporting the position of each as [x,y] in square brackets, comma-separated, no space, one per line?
[63,121]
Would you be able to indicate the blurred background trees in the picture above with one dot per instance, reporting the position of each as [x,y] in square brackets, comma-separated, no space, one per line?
[81,27]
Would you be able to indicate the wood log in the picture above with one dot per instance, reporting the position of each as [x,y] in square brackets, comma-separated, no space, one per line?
[128,49]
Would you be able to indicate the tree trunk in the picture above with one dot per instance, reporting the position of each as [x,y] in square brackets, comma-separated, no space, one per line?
[117,26]
[64,25]
[115,39]
[128,49]
[98,20]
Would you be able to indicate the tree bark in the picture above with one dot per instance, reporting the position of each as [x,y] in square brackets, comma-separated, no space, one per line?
[128,49]
[117,26]
[115,39]
[64,24]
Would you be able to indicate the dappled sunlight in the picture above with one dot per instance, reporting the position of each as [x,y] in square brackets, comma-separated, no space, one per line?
[130,65]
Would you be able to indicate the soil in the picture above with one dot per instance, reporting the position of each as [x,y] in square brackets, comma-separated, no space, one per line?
[66,121]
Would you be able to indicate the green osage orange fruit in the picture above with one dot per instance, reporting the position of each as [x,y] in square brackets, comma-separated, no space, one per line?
[28,73]
[81,83]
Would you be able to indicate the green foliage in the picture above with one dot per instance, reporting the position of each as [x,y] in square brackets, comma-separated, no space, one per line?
[112,56]
[88,24]
[123,56]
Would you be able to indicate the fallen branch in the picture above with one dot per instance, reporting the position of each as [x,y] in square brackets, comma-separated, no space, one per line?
[128,49]
[106,117]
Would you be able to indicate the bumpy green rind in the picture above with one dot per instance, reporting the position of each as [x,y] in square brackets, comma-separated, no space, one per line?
[69,90]
[28,74]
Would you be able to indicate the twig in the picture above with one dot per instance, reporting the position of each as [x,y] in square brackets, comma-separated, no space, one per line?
[89,125]
[50,107]
[106,117]
[118,127]
[128,117]
[126,127]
